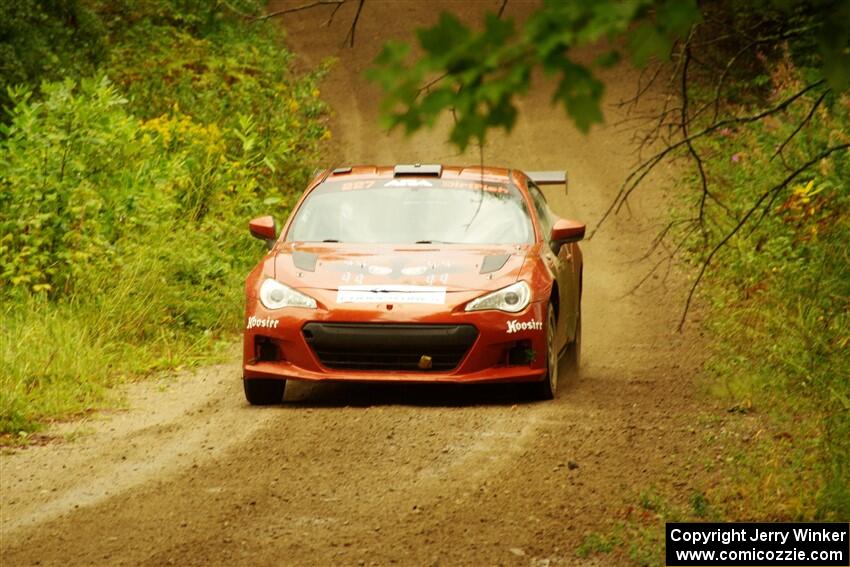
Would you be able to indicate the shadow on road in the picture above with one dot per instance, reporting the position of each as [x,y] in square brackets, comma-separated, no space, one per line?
[336,394]
[365,394]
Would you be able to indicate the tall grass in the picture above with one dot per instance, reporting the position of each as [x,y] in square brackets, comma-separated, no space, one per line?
[124,198]
[60,357]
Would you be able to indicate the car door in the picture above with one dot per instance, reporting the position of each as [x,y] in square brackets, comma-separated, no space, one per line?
[562,265]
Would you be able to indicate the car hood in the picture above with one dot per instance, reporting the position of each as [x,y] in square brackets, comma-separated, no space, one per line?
[453,267]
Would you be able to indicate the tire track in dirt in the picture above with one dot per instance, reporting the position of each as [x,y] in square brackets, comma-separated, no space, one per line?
[392,474]
[166,429]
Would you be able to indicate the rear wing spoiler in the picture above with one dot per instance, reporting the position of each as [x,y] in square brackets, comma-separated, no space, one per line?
[554,177]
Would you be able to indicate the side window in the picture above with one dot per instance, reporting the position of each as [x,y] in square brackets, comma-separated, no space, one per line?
[544,214]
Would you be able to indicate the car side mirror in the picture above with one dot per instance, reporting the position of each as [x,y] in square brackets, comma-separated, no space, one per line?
[264,228]
[565,231]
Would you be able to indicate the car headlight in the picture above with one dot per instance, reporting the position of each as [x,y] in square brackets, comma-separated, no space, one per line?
[275,295]
[512,299]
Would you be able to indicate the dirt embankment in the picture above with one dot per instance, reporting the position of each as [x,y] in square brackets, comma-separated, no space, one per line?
[364,474]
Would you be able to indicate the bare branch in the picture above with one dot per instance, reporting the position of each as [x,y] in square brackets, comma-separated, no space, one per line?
[427,86]
[684,124]
[767,207]
[640,172]
[350,36]
[314,4]
[641,87]
[330,19]
[718,88]
[635,177]
[801,124]
[727,68]
[502,8]
[756,206]
[751,31]
[662,235]
[697,158]
[668,258]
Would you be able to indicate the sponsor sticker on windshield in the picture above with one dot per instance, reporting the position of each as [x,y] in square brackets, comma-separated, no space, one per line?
[408,183]
[468,184]
[475,186]
[416,294]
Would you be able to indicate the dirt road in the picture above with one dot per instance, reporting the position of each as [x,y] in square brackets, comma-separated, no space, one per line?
[365,474]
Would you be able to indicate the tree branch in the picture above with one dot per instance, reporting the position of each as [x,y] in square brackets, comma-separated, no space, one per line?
[669,258]
[300,8]
[770,192]
[427,86]
[641,88]
[691,149]
[801,124]
[640,172]
[662,235]
[350,36]
[330,19]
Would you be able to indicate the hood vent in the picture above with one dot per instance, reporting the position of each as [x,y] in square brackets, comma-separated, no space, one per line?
[493,263]
[304,260]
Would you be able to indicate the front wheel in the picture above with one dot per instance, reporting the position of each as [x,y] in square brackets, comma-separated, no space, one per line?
[547,388]
[263,391]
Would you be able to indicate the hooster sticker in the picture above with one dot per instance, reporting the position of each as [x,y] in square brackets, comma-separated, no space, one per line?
[264,322]
[516,326]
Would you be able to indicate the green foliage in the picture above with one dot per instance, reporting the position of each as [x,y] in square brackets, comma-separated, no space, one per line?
[57,157]
[780,297]
[699,505]
[478,73]
[46,40]
[834,42]
[638,538]
[123,204]
[595,542]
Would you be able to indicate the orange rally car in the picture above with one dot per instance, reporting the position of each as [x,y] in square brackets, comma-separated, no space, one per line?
[416,273]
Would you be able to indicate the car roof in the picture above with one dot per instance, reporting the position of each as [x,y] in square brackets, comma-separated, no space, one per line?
[494,174]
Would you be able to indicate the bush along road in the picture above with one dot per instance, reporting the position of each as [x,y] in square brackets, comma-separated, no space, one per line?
[186,473]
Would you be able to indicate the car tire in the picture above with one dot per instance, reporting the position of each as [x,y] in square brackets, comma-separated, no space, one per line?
[263,391]
[547,388]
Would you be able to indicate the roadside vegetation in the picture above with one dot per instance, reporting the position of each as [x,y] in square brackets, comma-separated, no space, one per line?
[776,303]
[779,299]
[136,141]
[138,137]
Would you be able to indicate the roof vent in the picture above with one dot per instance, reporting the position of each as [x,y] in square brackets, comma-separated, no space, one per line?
[558,177]
[418,169]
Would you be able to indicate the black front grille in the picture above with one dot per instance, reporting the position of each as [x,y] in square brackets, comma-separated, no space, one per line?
[388,346]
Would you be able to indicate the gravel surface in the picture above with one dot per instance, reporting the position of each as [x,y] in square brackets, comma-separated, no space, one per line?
[392,474]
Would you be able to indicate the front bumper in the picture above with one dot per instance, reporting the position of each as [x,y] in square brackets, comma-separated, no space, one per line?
[383,343]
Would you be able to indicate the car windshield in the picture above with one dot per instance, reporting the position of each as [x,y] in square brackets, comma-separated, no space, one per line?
[409,210]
